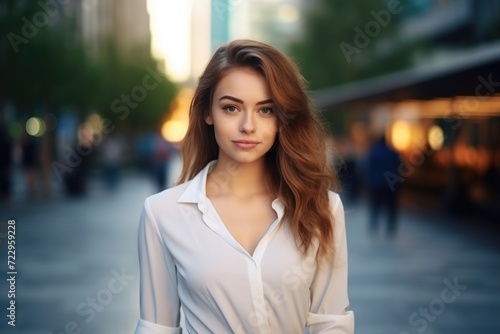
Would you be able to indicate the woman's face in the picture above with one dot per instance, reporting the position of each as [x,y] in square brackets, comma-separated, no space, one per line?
[243,117]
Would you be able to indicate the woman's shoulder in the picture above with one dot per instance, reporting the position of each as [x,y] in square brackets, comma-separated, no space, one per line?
[335,200]
[167,198]
[336,206]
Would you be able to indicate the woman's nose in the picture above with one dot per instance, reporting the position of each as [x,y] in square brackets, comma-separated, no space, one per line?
[247,122]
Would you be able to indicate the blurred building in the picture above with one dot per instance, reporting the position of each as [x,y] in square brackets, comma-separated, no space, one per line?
[452,23]
[220,15]
[275,22]
[201,37]
[442,114]
[99,21]
[216,22]
[124,21]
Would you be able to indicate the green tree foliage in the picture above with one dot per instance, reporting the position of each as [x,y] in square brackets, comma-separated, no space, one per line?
[123,93]
[351,40]
[48,66]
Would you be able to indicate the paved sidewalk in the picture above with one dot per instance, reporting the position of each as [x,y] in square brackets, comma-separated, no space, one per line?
[435,277]
[77,261]
[77,269]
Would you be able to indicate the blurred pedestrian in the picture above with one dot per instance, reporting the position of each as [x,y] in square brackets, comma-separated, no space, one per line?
[112,150]
[382,161]
[76,180]
[348,172]
[6,156]
[253,239]
[161,154]
[30,162]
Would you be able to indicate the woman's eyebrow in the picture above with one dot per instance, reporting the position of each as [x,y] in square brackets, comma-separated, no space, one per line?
[265,101]
[232,98]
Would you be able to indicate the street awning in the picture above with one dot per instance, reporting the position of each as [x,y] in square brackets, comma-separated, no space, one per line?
[459,75]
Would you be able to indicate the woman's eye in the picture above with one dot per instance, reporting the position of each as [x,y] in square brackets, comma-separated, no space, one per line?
[230,108]
[267,111]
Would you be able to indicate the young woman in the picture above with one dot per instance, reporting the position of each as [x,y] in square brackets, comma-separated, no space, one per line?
[252,240]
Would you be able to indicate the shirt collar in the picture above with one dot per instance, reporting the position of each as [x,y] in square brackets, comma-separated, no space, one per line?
[196,191]
[196,188]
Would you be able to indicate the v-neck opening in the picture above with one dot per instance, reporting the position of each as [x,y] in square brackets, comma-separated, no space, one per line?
[234,242]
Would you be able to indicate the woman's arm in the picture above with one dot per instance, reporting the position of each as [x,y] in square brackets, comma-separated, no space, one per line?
[329,300]
[160,306]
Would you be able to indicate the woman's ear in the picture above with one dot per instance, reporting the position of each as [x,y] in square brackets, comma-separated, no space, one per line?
[208,119]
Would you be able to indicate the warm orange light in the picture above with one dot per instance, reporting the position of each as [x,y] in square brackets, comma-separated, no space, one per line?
[401,135]
[470,156]
[443,157]
[435,137]
[417,134]
[175,127]
[174,131]
[484,159]
[476,106]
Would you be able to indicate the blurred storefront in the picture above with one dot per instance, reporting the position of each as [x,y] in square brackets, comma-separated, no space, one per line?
[442,116]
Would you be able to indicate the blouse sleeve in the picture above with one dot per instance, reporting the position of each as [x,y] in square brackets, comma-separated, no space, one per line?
[329,312]
[160,306]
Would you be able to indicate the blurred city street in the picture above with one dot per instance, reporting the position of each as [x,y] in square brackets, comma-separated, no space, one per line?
[68,250]
[95,104]
[77,268]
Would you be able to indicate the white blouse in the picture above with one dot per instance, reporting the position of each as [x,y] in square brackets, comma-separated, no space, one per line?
[188,257]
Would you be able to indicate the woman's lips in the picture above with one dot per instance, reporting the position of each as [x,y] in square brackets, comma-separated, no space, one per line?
[246,144]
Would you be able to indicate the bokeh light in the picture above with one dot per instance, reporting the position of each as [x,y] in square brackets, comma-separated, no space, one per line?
[175,127]
[95,122]
[401,135]
[35,127]
[435,137]
[174,131]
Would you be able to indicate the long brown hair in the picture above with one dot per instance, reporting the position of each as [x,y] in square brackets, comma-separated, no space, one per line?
[300,174]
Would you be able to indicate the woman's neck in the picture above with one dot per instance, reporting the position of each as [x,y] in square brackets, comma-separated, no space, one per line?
[242,180]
